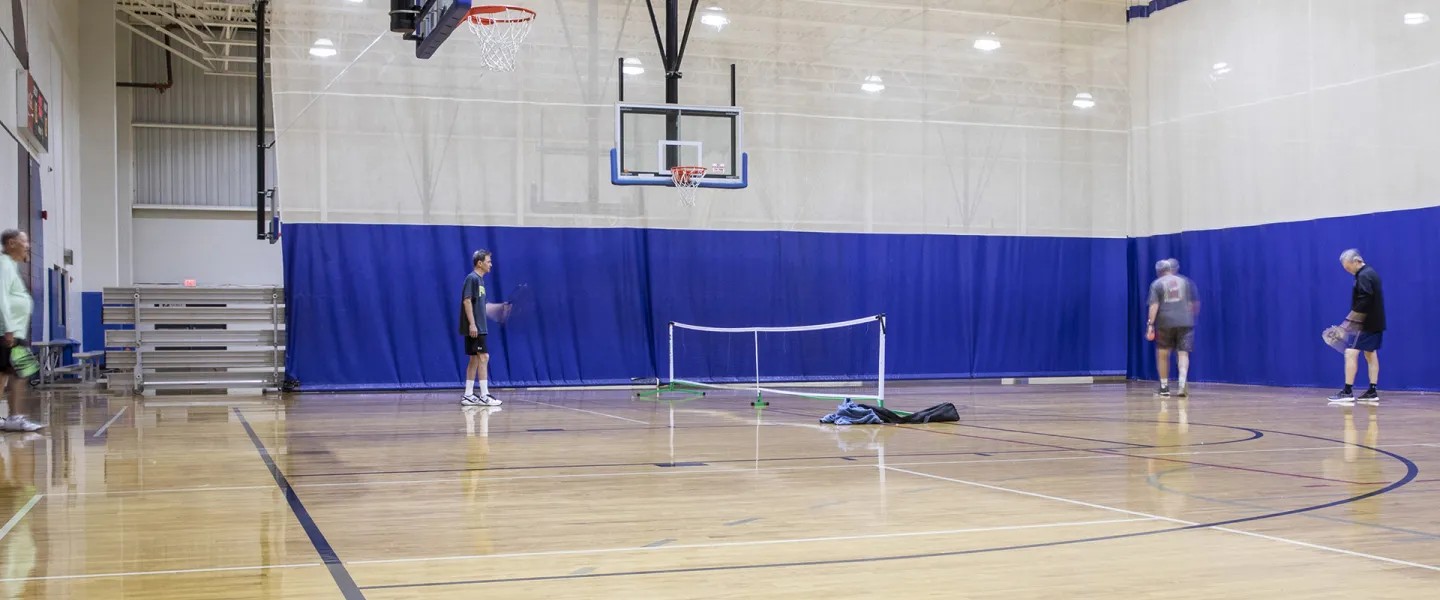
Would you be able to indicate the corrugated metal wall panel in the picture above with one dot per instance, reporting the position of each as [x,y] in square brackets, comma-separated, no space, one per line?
[189,167]
[196,98]
[209,159]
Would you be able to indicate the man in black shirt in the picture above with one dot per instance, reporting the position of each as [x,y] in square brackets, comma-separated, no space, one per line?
[1367,317]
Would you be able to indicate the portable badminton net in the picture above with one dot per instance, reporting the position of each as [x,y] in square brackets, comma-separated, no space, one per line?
[827,361]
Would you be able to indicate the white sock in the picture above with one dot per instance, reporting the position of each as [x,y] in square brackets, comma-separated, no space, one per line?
[1165,382]
[484,387]
[469,387]
[1182,380]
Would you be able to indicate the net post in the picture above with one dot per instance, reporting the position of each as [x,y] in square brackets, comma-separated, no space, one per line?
[881,387]
[759,397]
[671,380]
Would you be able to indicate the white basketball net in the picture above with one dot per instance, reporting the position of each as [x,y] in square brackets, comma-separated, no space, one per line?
[687,182]
[500,33]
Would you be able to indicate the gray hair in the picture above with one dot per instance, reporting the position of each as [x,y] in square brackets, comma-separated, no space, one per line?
[1351,255]
[1167,265]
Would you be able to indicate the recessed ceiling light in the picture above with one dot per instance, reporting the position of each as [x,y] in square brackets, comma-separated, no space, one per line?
[1083,100]
[1416,18]
[873,84]
[323,48]
[986,44]
[632,67]
[715,17]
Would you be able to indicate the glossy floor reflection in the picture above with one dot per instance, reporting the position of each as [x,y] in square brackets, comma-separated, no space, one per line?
[1040,491]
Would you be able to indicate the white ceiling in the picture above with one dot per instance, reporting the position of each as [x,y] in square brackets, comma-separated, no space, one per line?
[785,50]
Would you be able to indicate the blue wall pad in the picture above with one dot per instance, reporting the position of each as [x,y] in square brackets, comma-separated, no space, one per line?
[377,306]
[1267,292]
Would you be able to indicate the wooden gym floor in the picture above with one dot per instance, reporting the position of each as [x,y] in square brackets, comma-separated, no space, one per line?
[1039,492]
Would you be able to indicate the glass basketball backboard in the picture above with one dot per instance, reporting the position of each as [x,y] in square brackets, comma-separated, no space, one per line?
[650,139]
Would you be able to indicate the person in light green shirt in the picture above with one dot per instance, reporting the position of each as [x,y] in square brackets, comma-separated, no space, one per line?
[16,305]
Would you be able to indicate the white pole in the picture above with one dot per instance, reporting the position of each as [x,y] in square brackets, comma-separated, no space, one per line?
[757,365]
[671,381]
[881,391]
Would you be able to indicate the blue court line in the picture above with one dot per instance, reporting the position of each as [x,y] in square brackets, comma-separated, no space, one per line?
[659,543]
[317,539]
[1154,481]
[1054,435]
[742,521]
[1411,472]
[681,464]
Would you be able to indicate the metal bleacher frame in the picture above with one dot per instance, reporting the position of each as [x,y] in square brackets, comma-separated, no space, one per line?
[243,345]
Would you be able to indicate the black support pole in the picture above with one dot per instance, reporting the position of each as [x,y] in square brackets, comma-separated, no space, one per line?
[672,78]
[621,78]
[732,85]
[260,6]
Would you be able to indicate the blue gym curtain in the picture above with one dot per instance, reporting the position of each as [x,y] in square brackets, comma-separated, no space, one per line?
[1267,292]
[377,306]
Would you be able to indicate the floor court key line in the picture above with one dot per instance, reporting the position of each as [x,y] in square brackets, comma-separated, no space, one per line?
[15,520]
[1172,520]
[579,410]
[101,430]
[1150,456]
[570,552]
[164,572]
[654,548]
[710,471]
[317,539]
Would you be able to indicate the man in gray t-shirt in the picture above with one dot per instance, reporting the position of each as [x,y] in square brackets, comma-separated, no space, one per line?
[1173,304]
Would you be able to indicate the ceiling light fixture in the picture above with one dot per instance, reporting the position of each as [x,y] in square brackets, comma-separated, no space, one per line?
[715,17]
[323,48]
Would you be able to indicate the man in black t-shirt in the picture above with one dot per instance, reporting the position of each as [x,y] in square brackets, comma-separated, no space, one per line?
[474,328]
[1367,317]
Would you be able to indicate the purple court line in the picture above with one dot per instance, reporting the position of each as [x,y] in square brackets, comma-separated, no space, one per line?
[1174,460]
[652,463]
[494,433]
[1411,471]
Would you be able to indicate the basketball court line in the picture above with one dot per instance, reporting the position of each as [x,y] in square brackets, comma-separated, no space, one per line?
[705,471]
[841,538]
[322,546]
[1199,526]
[1155,482]
[15,520]
[591,412]
[1153,457]
[655,548]
[164,572]
[101,430]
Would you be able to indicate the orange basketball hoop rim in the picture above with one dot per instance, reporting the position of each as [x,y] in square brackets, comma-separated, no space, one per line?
[499,14]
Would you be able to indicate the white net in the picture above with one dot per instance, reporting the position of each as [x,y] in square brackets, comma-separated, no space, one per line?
[500,30]
[831,361]
[687,182]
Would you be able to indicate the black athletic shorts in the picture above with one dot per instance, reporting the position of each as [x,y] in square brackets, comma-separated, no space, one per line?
[7,366]
[1175,338]
[475,345]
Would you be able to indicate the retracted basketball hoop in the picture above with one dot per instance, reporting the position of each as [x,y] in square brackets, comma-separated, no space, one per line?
[687,181]
[500,30]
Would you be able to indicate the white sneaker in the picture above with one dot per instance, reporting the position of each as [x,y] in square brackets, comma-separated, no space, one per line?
[489,400]
[20,423]
[471,400]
